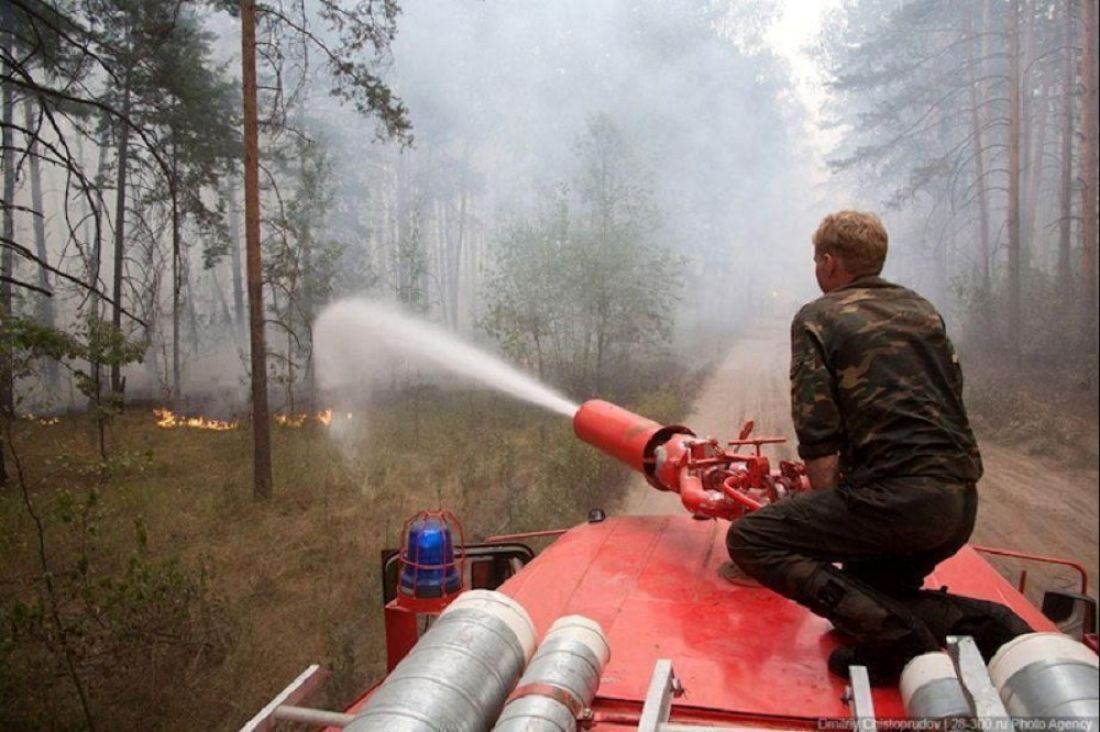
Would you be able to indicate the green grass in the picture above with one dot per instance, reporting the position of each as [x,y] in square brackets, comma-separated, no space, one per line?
[187,603]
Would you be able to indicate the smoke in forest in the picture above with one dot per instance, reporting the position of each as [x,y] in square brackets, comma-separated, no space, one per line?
[573,184]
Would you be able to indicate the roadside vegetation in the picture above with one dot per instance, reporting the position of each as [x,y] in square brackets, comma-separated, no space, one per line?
[1046,409]
[169,594]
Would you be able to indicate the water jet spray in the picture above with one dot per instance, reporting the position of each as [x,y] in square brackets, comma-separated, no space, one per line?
[351,333]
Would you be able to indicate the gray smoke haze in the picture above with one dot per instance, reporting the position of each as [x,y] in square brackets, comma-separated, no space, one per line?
[498,95]
[717,129]
[508,88]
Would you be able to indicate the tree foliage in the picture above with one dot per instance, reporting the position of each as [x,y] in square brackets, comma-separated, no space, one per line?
[970,121]
[581,285]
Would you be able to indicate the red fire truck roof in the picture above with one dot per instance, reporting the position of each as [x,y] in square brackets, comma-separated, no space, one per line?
[663,587]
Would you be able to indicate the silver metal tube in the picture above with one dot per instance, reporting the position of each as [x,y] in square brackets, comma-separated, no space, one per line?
[1047,676]
[1058,689]
[930,688]
[315,717]
[560,681]
[458,674]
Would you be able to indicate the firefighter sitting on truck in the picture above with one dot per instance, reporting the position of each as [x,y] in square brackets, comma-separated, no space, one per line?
[876,393]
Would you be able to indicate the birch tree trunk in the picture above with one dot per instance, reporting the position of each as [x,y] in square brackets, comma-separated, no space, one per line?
[1065,186]
[979,97]
[120,232]
[176,281]
[1088,172]
[44,311]
[94,267]
[235,258]
[7,261]
[1034,179]
[1013,213]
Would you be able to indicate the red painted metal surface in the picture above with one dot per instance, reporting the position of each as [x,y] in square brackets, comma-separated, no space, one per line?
[524,536]
[402,632]
[662,587]
[621,434]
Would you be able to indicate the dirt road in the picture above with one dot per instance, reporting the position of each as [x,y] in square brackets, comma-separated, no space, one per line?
[1027,503]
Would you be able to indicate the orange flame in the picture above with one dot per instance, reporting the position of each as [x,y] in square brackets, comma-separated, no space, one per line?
[41,420]
[291,420]
[167,419]
[323,417]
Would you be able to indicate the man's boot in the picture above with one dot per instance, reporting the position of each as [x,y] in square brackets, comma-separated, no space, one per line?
[887,634]
[990,624]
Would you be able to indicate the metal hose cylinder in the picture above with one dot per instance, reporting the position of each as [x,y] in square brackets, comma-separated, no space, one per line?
[1047,676]
[459,673]
[930,688]
[560,681]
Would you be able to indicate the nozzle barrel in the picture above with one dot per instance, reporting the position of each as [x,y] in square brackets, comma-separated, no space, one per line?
[625,436]
[621,434]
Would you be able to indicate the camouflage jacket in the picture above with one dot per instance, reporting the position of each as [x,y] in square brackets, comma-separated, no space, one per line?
[875,378]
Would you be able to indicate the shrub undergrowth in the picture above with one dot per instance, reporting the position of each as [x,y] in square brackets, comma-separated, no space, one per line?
[179,601]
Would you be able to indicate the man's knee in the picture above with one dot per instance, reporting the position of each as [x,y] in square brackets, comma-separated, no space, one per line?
[743,544]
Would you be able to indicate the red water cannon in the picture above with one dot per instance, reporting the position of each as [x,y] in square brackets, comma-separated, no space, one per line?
[713,481]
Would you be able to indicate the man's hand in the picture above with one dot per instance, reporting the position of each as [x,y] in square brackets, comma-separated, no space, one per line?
[823,472]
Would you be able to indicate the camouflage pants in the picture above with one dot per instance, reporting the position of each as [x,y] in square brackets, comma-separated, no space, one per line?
[887,537]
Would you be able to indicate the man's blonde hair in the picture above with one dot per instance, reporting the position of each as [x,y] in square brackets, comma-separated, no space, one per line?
[856,238]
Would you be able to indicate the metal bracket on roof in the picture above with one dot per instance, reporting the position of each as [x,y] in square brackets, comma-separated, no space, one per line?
[989,710]
[282,707]
[857,695]
[663,686]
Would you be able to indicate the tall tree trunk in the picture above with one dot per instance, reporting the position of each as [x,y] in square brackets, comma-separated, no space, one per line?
[401,243]
[455,264]
[176,280]
[189,298]
[440,213]
[235,257]
[120,234]
[1025,47]
[45,310]
[94,266]
[153,354]
[290,299]
[1013,213]
[217,295]
[979,97]
[1065,187]
[300,295]
[261,422]
[468,282]
[7,261]
[1088,173]
[1034,180]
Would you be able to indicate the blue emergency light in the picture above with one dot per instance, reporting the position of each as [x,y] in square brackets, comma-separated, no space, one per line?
[428,562]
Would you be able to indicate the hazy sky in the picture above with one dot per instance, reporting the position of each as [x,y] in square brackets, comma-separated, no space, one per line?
[795,31]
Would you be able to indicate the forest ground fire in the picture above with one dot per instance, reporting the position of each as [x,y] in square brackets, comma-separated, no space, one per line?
[40,420]
[323,417]
[167,419]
